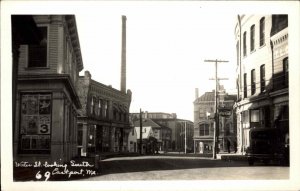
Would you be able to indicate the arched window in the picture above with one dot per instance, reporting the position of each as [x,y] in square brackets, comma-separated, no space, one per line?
[262,31]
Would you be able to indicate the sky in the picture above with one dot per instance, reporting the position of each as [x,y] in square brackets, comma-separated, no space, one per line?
[166,49]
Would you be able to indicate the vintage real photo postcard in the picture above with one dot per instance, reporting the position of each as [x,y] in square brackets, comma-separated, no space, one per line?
[142,95]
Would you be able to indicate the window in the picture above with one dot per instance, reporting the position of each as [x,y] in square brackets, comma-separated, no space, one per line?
[254,118]
[262,31]
[92,105]
[245,44]
[35,123]
[252,38]
[286,71]
[245,85]
[99,107]
[204,129]
[254,115]
[262,78]
[80,135]
[253,84]
[279,22]
[37,53]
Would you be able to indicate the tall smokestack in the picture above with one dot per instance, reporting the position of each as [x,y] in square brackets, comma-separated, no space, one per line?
[123,61]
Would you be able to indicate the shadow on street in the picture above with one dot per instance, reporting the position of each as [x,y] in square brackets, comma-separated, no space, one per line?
[152,164]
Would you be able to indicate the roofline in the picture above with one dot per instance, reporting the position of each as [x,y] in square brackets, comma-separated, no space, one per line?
[72,27]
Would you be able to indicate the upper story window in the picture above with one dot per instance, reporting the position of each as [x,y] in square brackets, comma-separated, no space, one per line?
[252,38]
[37,53]
[99,107]
[92,105]
[245,85]
[204,129]
[279,22]
[253,82]
[285,64]
[262,31]
[245,44]
[262,78]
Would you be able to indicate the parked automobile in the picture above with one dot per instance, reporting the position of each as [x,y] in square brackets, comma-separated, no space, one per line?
[268,144]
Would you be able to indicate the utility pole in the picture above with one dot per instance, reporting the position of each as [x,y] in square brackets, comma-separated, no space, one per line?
[141,131]
[216,124]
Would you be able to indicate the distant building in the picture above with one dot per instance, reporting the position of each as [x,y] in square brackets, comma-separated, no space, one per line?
[204,113]
[177,126]
[262,74]
[161,133]
[103,121]
[47,60]
[149,142]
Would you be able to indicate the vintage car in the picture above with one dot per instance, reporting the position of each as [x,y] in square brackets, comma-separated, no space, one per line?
[268,144]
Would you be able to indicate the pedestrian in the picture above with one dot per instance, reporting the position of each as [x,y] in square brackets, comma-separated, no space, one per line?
[228,145]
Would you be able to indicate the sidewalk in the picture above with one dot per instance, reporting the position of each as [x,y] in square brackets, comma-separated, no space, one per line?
[231,156]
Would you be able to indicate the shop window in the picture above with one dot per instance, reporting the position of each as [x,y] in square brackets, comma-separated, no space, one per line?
[37,53]
[80,135]
[254,118]
[35,123]
[262,31]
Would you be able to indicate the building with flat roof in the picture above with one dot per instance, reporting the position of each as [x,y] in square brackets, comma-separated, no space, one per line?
[262,74]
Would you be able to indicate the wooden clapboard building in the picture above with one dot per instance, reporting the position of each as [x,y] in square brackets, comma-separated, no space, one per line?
[46,63]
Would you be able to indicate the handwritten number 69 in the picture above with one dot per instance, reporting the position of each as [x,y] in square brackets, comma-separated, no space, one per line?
[39,175]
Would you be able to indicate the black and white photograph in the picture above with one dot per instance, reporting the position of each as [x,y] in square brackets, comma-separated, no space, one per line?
[150,95]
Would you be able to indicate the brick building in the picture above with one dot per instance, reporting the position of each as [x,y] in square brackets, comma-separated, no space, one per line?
[47,60]
[262,74]
[204,109]
[103,121]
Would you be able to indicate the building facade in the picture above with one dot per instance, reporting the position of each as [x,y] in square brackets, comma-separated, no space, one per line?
[46,68]
[262,74]
[103,121]
[204,119]
[161,133]
[179,128]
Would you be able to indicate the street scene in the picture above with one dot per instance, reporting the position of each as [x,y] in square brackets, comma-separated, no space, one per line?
[150,97]
[185,168]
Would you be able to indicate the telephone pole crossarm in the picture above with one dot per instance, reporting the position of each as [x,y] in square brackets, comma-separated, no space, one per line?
[216,130]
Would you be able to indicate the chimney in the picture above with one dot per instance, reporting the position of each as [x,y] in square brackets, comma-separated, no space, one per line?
[196,93]
[123,61]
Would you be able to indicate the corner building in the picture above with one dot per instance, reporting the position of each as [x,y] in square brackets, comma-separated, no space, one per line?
[204,109]
[103,121]
[46,66]
[262,74]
